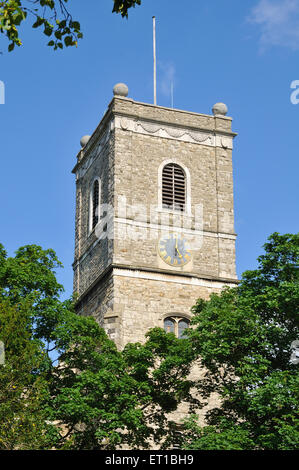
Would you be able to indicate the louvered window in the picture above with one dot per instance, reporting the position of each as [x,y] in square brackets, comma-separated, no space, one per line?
[95,204]
[173,187]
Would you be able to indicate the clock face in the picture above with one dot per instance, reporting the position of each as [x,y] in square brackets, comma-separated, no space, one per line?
[174,250]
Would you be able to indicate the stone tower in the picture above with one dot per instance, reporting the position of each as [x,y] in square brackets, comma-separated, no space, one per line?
[154,216]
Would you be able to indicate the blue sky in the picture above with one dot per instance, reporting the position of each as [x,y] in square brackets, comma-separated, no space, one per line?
[245,54]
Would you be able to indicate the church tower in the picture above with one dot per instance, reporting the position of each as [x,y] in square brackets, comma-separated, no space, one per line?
[154,216]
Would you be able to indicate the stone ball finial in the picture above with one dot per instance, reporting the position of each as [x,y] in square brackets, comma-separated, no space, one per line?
[84,140]
[120,89]
[219,109]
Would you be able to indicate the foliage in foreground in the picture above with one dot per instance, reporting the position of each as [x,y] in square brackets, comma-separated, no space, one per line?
[22,423]
[243,338]
[52,16]
[64,384]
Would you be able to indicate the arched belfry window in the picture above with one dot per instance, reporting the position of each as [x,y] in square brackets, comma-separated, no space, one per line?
[94,204]
[173,187]
[176,325]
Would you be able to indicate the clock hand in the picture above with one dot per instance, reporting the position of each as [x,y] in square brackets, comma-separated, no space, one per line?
[176,247]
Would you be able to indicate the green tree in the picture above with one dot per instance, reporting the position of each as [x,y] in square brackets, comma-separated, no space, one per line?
[104,398]
[73,388]
[243,338]
[22,421]
[122,6]
[52,16]
[29,310]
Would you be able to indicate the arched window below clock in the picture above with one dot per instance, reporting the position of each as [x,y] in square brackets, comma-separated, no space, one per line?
[176,325]
[94,204]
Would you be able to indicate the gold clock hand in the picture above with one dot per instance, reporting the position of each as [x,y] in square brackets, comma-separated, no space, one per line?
[176,247]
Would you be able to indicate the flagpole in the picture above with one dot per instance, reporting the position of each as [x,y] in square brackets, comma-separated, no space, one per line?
[155,64]
[172,93]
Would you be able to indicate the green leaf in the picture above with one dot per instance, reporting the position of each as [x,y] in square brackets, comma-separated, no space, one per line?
[68,40]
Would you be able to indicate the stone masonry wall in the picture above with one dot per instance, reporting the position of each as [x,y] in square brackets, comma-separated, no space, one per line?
[92,256]
[141,303]
[126,152]
[123,282]
[137,161]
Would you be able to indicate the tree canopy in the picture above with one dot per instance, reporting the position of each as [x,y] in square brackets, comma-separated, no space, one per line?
[243,338]
[65,385]
[63,378]
[53,16]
